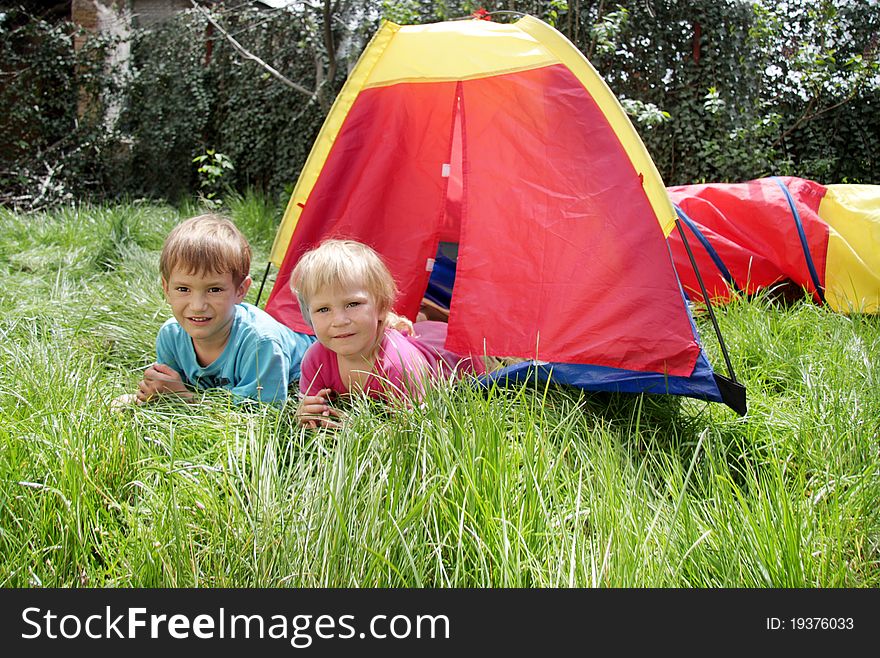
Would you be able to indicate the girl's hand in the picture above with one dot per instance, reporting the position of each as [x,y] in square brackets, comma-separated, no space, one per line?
[402,324]
[315,411]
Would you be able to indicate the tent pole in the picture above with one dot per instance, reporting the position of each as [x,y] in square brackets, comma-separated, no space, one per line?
[260,291]
[706,299]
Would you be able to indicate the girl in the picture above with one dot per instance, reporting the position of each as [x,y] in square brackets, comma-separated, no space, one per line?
[345,293]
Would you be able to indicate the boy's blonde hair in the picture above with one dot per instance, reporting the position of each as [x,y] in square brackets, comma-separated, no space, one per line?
[206,243]
[342,263]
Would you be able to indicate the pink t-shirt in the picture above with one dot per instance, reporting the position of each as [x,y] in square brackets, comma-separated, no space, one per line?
[403,364]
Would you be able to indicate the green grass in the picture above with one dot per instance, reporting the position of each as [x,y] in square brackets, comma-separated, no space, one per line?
[519,487]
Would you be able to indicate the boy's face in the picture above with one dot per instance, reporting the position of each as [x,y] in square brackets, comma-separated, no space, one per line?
[346,320]
[204,304]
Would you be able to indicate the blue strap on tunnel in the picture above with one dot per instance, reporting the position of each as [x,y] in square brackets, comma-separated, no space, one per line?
[814,275]
[722,268]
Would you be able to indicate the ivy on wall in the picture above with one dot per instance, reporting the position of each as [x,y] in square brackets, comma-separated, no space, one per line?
[168,107]
[48,152]
[752,88]
[726,90]
[193,91]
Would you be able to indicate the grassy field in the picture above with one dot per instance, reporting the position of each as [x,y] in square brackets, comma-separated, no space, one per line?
[506,488]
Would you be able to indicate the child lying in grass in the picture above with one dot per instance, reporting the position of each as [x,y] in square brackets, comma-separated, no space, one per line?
[215,339]
[345,293]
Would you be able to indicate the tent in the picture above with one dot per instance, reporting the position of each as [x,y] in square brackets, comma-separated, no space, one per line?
[824,239]
[504,142]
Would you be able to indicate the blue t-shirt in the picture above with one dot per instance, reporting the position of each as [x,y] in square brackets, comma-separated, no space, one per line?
[261,359]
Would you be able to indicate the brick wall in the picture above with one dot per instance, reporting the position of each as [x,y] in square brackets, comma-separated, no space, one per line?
[147,13]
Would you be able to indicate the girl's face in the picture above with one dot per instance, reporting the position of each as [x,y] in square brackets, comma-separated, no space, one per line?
[347,321]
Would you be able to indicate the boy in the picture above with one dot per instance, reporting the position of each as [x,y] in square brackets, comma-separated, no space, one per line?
[215,340]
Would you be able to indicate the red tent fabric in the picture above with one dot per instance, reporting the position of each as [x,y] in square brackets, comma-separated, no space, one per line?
[752,228]
[561,256]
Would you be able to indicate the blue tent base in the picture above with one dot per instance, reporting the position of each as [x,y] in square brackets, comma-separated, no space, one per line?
[733,394]
[703,384]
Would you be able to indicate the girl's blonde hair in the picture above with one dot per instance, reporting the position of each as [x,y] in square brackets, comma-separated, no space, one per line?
[342,264]
[206,243]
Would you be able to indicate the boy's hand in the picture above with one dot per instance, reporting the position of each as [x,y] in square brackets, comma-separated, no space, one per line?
[160,379]
[314,410]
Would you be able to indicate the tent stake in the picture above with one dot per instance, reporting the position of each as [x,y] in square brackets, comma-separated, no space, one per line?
[260,291]
[706,299]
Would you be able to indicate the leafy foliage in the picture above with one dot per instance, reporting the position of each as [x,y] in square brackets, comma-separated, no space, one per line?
[169,107]
[212,168]
[48,152]
[212,97]
[751,88]
[725,90]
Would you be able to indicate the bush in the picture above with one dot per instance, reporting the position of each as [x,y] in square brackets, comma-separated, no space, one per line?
[214,100]
[53,153]
[711,89]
